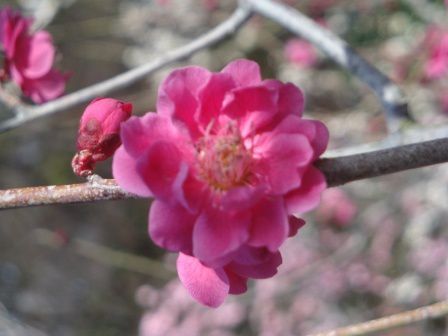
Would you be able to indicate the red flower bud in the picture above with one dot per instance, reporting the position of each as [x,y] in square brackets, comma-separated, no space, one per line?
[99,133]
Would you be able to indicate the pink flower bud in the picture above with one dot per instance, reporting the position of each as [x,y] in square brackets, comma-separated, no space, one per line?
[99,133]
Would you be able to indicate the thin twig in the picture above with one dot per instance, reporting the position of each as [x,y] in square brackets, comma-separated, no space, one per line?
[337,171]
[26,113]
[390,95]
[106,255]
[393,321]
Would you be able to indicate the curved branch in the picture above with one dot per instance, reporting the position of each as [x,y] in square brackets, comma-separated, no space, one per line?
[25,113]
[337,171]
[435,310]
[390,95]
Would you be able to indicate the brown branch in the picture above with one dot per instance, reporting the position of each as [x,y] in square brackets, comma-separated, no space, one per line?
[337,171]
[355,167]
[25,113]
[393,321]
[62,194]
[390,95]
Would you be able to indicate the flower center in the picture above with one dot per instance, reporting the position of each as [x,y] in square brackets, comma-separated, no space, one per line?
[223,160]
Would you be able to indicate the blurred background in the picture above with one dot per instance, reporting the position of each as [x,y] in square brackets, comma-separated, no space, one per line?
[372,248]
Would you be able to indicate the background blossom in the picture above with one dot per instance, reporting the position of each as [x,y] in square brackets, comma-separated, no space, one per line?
[29,58]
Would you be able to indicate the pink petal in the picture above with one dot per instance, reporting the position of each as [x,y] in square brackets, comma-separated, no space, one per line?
[314,130]
[244,72]
[282,155]
[45,88]
[254,106]
[264,270]
[211,98]
[207,285]
[179,96]
[218,233]
[139,133]
[249,255]
[290,98]
[250,99]
[294,225]
[171,227]
[125,172]
[270,225]
[307,196]
[238,283]
[163,169]
[241,198]
[38,55]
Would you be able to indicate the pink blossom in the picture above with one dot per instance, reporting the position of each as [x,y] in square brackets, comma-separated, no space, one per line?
[436,44]
[228,159]
[28,58]
[336,207]
[98,135]
[300,52]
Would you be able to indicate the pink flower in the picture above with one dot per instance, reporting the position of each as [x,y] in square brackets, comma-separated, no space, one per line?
[336,207]
[228,159]
[98,135]
[28,58]
[436,42]
[300,52]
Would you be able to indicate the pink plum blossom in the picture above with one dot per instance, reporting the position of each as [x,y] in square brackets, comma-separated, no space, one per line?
[436,44]
[336,207]
[300,52]
[28,58]
[99,133]
[228,159]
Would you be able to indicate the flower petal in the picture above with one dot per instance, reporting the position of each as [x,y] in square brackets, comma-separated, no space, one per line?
[243,72]
[139,133]
[45,88]
[238,283]
[270,225]
[179,96]
[207,285]
[254,106]
[281,156]
[125,172]
[241,198]
[37,55]
[211,98]
[295,224]
[314,130]
[163,170]
[218,233]
[171,227]
[307,196]
[263,270]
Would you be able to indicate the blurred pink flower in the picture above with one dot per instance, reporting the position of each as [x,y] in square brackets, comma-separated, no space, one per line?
[28,58]
[300,52]
[336,207]
[228,158]
[436,44]
[98,134]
